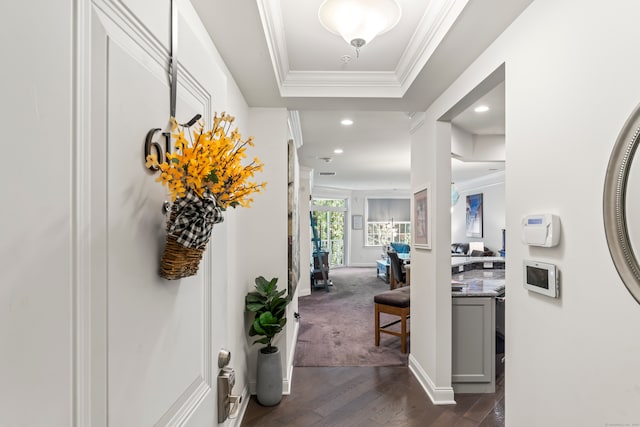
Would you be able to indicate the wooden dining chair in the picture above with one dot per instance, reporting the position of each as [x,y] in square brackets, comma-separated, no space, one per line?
[396,302]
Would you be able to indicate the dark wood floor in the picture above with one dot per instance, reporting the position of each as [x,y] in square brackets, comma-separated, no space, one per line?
[372,396]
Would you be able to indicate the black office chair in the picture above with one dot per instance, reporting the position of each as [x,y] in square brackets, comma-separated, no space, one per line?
[398,274]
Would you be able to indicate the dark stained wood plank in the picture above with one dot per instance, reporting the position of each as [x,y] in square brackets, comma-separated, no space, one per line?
[372,397]
[496,417]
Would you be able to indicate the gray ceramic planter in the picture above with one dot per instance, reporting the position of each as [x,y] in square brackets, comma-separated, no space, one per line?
[269,378]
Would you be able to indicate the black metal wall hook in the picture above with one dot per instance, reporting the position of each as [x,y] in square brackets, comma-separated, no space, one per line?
[191,122]
[173,59]
[151,144]
[173,67]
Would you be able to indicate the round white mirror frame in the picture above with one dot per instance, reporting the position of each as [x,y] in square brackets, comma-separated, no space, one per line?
[614,204]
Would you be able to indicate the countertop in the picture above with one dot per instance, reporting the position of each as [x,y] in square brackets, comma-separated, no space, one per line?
[478,283]
[464,260]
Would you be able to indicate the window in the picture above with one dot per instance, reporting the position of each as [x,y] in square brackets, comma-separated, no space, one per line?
[329,216]
[388,220]
[336,203]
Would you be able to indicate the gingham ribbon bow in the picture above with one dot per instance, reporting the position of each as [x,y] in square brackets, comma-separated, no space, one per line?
[195,219]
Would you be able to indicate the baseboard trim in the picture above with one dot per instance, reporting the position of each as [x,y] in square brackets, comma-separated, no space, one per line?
[438,395]
[288,379]
[244,403]
[304,291]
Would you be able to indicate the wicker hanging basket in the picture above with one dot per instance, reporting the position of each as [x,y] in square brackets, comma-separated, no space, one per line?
[179,261]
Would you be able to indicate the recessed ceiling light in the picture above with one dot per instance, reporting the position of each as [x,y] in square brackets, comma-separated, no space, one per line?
[338,151]
[481,109]
[347,122]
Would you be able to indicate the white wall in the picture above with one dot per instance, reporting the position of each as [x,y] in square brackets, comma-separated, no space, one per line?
[488,148]
[599,350]
[461,143]
[430,358]
[93,322]
[493,212]
[37,279]
[569,90]
[262,234]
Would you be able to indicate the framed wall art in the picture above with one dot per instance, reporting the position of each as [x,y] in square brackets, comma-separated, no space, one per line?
[474,215]
[356,222]
[422,218]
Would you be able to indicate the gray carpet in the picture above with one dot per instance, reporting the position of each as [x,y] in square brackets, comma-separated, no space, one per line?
[336,327]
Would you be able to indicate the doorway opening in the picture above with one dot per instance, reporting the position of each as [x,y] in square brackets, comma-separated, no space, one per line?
[330,217]
[478,222]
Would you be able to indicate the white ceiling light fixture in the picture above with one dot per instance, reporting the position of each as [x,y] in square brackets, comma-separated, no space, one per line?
[359,21]
[346,122]
[338,151]
[481,109]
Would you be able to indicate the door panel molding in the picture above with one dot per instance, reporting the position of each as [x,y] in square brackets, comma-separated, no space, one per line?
[104,26]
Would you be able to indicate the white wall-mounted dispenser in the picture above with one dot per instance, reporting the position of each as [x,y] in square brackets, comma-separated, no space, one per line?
[541,230]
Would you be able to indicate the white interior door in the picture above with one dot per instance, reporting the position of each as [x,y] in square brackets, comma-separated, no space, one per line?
[153,337]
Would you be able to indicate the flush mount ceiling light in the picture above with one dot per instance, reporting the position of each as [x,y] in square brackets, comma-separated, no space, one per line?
[346,122]
[481,109]
[338,151]
[359,21]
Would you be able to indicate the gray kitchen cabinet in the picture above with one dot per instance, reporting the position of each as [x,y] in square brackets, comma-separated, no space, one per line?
[473,342]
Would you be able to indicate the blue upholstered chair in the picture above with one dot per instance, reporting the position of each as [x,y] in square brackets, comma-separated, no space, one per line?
[401,248]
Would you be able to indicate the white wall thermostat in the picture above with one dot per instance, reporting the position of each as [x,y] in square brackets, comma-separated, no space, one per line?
[541,230]
[541,277]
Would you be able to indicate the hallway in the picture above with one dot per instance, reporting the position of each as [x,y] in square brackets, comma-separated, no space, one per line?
[341,389]
[337,327]
[371,396]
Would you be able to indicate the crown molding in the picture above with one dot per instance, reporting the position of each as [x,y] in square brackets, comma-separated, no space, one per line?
[417,121]
[273,26]
[434,24]
[489,180]
[341,84]
[341,78]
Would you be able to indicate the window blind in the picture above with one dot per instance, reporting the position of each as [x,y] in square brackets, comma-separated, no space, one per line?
[381,210]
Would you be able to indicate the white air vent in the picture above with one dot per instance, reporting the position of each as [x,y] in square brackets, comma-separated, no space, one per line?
[327,173]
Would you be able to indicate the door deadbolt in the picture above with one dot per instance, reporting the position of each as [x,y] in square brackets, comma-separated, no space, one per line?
[228,404]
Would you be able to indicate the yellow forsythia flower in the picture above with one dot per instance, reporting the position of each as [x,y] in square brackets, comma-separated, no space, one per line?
[210,160]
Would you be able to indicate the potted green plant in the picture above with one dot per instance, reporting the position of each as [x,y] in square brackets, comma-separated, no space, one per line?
[269,305]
